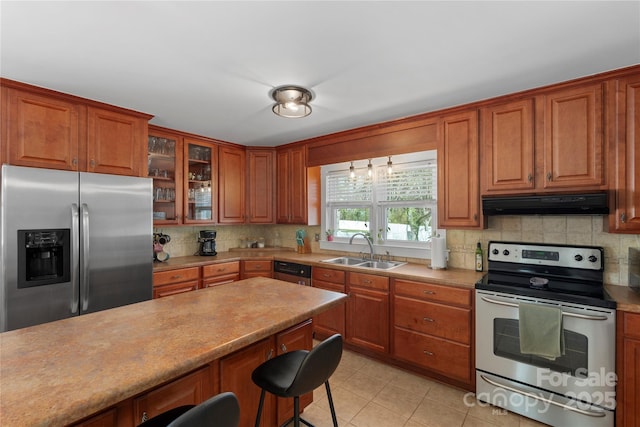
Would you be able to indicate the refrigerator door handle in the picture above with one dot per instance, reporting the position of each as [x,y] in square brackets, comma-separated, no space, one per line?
[75,248]
[84,278]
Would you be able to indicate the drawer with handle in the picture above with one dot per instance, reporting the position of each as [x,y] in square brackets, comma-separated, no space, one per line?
[328,275]
[370,281]
[220,269]
[443,321]
[176,276]
[432,292]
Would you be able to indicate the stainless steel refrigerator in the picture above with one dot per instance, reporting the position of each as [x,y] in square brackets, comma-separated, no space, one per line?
[72,243]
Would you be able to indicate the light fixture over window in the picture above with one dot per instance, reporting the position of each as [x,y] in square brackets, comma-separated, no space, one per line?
[291,101]
[352,171]
[389,166]
[369,168]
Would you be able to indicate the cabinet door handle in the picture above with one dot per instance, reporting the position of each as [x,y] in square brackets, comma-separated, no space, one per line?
[367,281]
[427,319]
[623,217]
[428,353]
[222,269]
[549,176]
[176,277]
[144,417]
[530,178]
[475,216]
[74,162]
[270,354]
[326,275]
[92,163]
[283,347]
[429,292]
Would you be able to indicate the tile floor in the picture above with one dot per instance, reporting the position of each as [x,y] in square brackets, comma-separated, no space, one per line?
[368,393]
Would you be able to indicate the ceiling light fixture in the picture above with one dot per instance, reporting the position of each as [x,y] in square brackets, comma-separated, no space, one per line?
[369,168]
[291,101]
[389,166]
[352,171]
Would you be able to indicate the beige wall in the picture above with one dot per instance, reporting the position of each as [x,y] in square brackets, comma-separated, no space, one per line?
[579,230]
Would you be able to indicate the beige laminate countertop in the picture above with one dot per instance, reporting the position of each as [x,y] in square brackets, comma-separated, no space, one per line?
[626,299]
[60,372]
[410,271]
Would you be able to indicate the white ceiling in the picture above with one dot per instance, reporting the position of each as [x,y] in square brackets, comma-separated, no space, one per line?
[207,67]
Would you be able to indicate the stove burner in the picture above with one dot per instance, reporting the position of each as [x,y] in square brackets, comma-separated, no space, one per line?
[538,282]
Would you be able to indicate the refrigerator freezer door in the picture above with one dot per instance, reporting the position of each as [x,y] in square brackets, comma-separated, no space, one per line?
[35,199]
[116,245]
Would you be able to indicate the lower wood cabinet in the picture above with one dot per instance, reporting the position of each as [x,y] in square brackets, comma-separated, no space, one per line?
[191,389]
[256,268]
[332,321]
[368,312]
[628,367]
[220,273]
[171,282]
[432,327]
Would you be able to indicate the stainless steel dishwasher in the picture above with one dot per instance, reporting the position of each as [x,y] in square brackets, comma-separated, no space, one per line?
[292,272]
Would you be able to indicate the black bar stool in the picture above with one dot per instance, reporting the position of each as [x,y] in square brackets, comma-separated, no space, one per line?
[298,372]
[222,410]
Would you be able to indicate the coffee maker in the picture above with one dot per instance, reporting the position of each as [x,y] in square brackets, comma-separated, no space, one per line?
[207,241]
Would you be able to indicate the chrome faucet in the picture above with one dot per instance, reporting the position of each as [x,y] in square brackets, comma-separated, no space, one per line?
[368,241]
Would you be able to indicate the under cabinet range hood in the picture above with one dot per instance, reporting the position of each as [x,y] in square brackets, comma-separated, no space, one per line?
[558,204]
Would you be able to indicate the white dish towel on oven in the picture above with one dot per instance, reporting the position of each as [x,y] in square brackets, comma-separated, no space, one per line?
[541,330]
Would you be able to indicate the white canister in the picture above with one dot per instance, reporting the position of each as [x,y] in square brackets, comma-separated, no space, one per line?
[438,252]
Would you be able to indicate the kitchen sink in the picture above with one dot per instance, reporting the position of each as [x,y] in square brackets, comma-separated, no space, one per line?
[345,260]
[359,262]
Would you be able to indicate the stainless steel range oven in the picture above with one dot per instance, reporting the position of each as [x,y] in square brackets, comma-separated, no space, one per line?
[545,334]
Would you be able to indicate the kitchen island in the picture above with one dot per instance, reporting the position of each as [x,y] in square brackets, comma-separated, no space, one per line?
[61,372]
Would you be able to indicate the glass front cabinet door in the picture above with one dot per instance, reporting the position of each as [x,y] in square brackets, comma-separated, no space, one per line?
[200,166]
[162,164]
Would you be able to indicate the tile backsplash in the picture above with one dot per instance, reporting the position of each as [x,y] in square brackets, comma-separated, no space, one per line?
[576,230]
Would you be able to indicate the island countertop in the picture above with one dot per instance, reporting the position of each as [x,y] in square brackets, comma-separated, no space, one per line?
[61,372]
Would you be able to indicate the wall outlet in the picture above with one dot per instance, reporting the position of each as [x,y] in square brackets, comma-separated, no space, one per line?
[317,237]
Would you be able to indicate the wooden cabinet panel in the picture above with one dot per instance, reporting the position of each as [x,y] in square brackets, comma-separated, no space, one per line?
[257,268]
[260,186]
[368,312]
[297,338]
[298,188]
[624,122]
[448,358]
[235,376]
[167,283]
[458,173]
[370,281]
[44,131]
[508,162]
[175,276]
[439,320]
[328,275]
[220,273]
[231,185]
[191,389]
[628,369]
[432,292]
[332,321]
[573,139]
[116,143]
[200,181]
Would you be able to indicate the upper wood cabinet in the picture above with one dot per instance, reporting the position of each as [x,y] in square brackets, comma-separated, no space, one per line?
[624,131]
[458,186]
[549,143]
[260,186]
[231,185]
[200,181]
[48,129]
[507,132]
[164,166]
[298,199]
[573,139]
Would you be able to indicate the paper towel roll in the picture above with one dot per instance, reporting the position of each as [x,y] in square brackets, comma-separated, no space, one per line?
[438,253]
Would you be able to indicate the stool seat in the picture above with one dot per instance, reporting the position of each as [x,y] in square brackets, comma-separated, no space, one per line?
[299,372]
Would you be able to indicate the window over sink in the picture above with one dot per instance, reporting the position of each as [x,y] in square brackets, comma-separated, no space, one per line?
[396,209]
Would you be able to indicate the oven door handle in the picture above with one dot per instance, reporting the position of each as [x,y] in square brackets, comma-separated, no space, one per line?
[599,414]
[564,313]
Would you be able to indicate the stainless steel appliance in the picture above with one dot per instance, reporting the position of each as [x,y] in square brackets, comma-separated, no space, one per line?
[72,243]
[578,386]
[207,241]
[292,272]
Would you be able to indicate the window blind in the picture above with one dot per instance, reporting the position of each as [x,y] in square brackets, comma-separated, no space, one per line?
[408,182]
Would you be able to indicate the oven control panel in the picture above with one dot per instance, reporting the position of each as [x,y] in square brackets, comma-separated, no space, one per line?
[583,257]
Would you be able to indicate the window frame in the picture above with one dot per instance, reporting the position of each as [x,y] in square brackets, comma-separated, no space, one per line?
[413,249]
